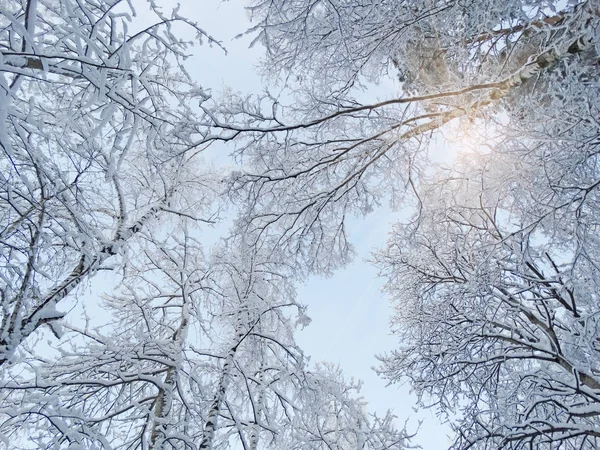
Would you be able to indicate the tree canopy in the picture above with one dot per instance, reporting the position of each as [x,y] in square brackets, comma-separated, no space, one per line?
[494,277]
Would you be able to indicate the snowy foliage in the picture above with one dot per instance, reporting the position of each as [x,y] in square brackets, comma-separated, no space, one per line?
[495,277]
[320,154]
[95,126]
[190,347]
[196,355]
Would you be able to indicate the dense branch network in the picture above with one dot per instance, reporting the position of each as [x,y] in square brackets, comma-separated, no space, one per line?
[494,278]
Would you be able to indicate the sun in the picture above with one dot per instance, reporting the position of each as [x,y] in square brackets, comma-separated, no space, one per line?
[466,138]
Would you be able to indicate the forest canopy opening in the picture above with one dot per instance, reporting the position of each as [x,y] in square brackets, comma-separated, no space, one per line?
[494,279]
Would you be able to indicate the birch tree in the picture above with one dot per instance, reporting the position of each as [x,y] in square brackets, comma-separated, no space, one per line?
[494,277]
[95,125]
[99,172]
[495,293]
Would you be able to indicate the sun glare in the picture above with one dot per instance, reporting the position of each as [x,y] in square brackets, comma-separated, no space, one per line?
[465,138]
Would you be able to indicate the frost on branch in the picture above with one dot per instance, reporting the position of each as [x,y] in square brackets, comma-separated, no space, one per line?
[94,126]
[196,355]
[321,153]
[495,276]
[495,282]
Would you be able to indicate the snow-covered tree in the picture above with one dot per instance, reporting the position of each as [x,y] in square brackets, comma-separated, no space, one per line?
[194,355]
[495,288]
[320,152]
[99,171]
[95,126]
[495,277]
